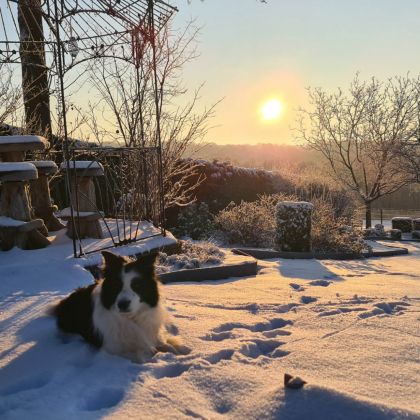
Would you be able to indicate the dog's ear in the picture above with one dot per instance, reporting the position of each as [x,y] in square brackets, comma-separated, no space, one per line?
[147,260]
[112,260]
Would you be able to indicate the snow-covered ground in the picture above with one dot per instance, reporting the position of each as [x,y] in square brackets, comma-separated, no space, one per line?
[351,329]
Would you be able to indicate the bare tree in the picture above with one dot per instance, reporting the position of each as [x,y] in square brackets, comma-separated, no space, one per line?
[11,98]
[128,105]
[34,68]
[362,132]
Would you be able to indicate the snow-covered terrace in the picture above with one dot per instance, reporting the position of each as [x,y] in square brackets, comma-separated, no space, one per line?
[349,328]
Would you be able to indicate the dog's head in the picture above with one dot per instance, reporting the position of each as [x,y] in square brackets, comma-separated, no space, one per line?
[129,286]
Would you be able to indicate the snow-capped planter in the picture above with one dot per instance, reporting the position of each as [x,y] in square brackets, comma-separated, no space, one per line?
[405,224]
[415,234]
[379,230]
[293,230]
[395,234]
[416,224]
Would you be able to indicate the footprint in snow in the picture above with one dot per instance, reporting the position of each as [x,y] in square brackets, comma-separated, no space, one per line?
[27,384]
[323,283]
[257,348]
[219,336]
[308,299]
[172,370]
[258,327]
[103,398]
[296,287]
[384,309]
[225,354]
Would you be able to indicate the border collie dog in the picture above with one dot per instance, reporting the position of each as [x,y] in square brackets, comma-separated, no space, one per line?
[121,313]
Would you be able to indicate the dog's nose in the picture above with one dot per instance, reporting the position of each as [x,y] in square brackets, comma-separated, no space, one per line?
[123,305]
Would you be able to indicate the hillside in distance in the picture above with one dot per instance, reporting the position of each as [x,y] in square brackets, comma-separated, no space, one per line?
[264,155]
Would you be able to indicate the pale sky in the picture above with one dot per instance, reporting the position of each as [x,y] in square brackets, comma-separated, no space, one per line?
[253,52]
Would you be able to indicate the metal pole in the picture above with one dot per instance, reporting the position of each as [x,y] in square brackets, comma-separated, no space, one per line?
[158,128]
[60,75]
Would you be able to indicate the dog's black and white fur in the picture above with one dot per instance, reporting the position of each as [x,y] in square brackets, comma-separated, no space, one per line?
[122,313]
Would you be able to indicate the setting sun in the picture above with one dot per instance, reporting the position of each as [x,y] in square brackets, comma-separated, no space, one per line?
[271,110]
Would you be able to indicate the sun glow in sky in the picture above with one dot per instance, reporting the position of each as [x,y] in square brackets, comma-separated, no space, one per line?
[271,110]
[251,52]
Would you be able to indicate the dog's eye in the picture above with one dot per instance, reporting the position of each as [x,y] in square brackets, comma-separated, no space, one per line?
[136,283]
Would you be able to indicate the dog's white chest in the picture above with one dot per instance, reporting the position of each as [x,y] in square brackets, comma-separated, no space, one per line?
[133,337]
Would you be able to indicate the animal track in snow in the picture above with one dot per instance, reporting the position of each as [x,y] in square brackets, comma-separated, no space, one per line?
[215,336]
[258,327]
[297,287]
[323,283]
[341,310]
[225,354]
[27,384]
[261,343]
[256,348]
[308,299]
[172,370]
[275,333]
[103,398]
[384,309]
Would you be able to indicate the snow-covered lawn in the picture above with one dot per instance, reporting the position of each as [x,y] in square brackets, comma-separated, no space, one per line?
[351,329]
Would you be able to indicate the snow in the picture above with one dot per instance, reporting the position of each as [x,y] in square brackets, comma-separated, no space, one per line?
[409,219]
[296,205]
[17,166]
[9,222]
[44,164]
[66,212]
[82,164]
[27,139]
[350,329]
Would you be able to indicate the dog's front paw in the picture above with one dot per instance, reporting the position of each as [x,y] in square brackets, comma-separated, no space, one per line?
[178,346]
[173,345]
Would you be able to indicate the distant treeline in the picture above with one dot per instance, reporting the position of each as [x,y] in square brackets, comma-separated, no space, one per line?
[264,156]
[279,157]
[407,198]
[224,183]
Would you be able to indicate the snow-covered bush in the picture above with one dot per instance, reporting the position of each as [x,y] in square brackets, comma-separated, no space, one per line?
[191,255]
[377,232]
[195,221]
[250,223]
[415,234]
[254,224]
[333,234]
[395,234]
[405,224]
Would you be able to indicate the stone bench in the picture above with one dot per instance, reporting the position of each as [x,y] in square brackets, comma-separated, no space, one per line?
[18,227]
[83,199]
[13,148]
[41,195]
[86,223]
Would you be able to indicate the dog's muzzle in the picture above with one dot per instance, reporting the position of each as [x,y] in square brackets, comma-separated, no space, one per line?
[123,305]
